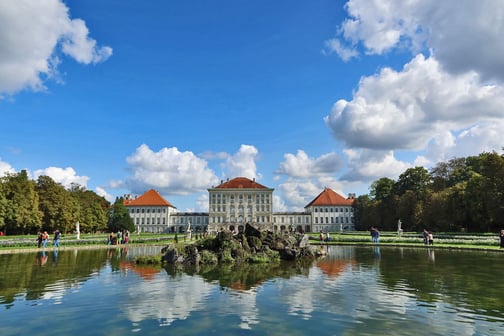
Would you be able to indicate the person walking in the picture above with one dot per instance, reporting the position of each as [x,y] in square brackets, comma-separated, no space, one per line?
[56,239]
[501,239]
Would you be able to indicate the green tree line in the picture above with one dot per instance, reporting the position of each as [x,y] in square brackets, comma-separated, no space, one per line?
[463,194]
[28,206]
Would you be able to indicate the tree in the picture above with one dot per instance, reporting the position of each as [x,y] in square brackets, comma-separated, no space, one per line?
[93,209]
[415,179]
[21,213]
[382,189]
[3,206]
[60,211]
[410,211]
[364,213]
[119,217]
[447,174]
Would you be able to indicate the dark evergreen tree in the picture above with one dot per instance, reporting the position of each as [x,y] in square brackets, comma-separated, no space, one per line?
[119,217]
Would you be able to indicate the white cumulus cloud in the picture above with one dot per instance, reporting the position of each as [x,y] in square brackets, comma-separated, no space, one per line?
[169,171]
[64,176]
[103,193]
[465,35]
[301,165]
[32,35]
[243,163]
[415,107]
[368,165]
[444,105]
[6,168]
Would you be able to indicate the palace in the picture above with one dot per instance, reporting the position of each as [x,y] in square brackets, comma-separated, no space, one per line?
[238,201]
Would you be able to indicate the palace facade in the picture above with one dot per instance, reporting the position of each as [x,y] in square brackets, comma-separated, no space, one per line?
[238,201]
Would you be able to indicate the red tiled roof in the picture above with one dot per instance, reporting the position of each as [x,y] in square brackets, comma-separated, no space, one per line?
[240,183]
[330,197]
[149,198]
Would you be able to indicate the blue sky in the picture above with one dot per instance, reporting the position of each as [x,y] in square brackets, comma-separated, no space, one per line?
[126,96]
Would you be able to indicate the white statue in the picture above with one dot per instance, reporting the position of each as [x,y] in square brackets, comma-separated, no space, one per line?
[399,228]
[77,230]
[188,232]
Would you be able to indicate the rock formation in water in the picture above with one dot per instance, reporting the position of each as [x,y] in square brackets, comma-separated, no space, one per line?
[252,246]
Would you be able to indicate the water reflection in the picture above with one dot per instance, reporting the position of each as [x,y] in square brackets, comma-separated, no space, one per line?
[165,300]
[372,290]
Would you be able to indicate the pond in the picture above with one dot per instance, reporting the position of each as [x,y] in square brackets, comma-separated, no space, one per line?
[353,291]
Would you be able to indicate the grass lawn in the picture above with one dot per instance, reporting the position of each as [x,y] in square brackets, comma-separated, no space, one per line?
[479,241]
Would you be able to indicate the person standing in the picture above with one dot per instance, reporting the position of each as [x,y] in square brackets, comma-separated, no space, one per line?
[39,239]
[375,235]
[501,239]
[57,236]
[430,238]
[45,238]
[426,236]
